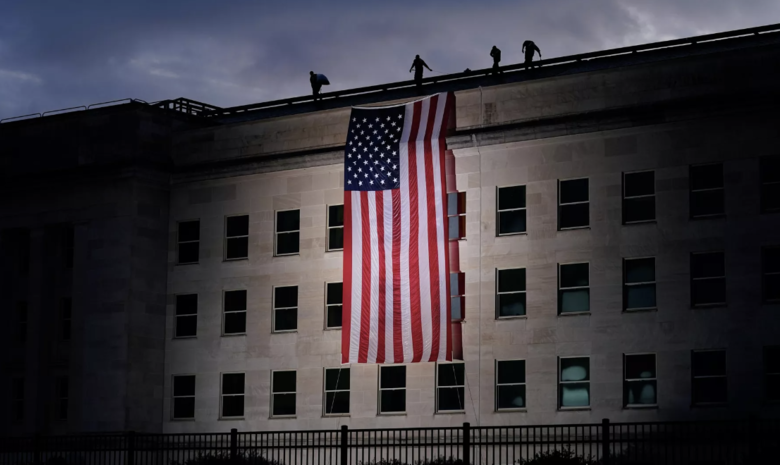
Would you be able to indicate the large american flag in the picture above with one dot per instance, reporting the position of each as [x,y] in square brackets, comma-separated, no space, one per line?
[396,263]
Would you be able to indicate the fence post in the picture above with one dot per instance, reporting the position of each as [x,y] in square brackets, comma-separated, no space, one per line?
[344,444]
[131,447]
[233,445]
[605,441]
[37,448]
[466,443]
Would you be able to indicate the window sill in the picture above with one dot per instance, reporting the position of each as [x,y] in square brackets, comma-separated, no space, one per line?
[511,410]
[184,337]
[336,415]
[573,409]
[233,334]
[296,254]
[287,331]
[574,314]
[523,233]
[333,328]
[238,259]
[641,407]
[231,418]
[573,228]
[334,250]
[391,414]
[514,317]
[707,306]
[634,223]
[183,420]
[451,412]
[187,263]
[282,417]
[640,310]
[708,217]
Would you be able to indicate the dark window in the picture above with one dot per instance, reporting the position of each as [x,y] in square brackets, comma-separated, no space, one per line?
[184,396]
[772,373]
[457,296]
[187,315]
[510,292]
[189,242]
[638,197]
[456,215]
[574,382]
[335,227]
[639,283]
[68,246]
[336,391]
[21,315]
[708,279]
[333,305]
[450,383]
[288,226]
[706,184]
[283,387]
[285,308]
[510,384]
[573,204]
[66,307]
[23,251]
[236,237]
[17,397]
[511,210]
[573,288]
[392,389]
[708,369]
[640,387]
[770,184]
[770,269]
[61,396]
[232,394]
[235,312]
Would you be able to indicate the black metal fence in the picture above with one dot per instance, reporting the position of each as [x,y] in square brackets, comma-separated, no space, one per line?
[699,443]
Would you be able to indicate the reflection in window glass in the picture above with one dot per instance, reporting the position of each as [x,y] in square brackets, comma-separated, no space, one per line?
[573,288]
[574,384]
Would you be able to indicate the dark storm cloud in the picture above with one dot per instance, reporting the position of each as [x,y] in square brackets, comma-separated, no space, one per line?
[61,54]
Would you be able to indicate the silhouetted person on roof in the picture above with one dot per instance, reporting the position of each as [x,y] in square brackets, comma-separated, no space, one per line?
[529,47]
[315,86]
[418,64]
[495,52]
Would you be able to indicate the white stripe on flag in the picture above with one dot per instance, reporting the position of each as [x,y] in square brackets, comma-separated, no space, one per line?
[374,248]
[422,235]
[357,277]
[388,219]
[441,241]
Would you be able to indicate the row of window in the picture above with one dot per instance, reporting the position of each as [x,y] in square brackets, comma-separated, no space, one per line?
[640,386]
[63,328]
[61,396]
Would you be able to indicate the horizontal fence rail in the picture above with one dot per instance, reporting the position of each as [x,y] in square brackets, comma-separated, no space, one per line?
[684,443]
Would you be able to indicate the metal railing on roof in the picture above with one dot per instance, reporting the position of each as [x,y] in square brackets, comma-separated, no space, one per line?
[185,105]
[71,109]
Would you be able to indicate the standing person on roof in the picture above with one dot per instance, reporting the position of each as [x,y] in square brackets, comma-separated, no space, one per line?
[495,52]
[529,47]
[418,64]
[317,81]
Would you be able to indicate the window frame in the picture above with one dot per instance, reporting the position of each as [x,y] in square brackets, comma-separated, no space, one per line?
[460,298]
[179,242]
[692,191]
[66,319]
[222,396]
[560,289]
[692,279]
[764,274]
[626,198]
[68,246]
[277,233]
[499,211]
[194,386]
[325,392]
[763,208]
[225,312]
[768,374]
[694,377]
[626,380]
[18,407]
[498,294]
[273,394]
[456,386]
[328,228]
[228,238]
[381,389]
[497,384]
[627,285]
[176,316]
[23,321]
[328,306]
[274,310]
[460,199]
[561,383]
[560,205]
[61,398]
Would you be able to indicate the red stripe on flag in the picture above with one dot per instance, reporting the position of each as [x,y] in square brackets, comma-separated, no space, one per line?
[365,304]
[433,243]
[346,309]
[414,231]
[447,122]
[380,230]
[398,337]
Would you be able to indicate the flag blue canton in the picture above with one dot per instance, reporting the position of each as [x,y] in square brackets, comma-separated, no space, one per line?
[372,155]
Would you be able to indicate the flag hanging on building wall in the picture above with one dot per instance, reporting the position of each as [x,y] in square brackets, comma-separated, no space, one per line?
[396,262]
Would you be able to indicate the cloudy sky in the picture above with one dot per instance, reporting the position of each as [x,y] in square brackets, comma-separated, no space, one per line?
[56,54]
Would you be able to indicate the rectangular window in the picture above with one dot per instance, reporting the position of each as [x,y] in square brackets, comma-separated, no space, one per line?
[708,370]
[189,242]
[21,318]
[66,310]
[450,383]
[68,247]
[772,373]
[234,312]
[17,397]
[573,204]
[186,324]
[770,269]
[283,387]
[236,237]
[285,308]
[333,305]
[707,193]
[573,382]
[511,215]
[288,230]
[640,388]
[510,384]
[335,227]
[184,396]
[23,251]
[392,389]
[708,279]
[61,393]
[457,296]
[770,184]
[510,292]
[336,391]
[639,283]
[638,197]
[573,288]
[456,215]
[232,395]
